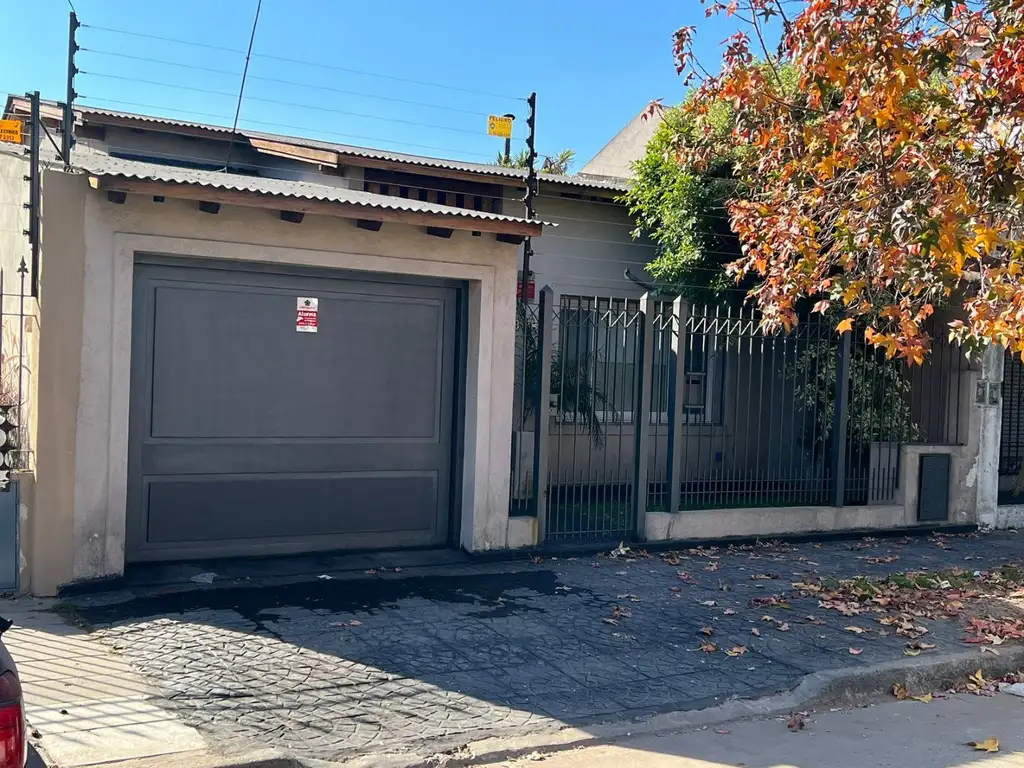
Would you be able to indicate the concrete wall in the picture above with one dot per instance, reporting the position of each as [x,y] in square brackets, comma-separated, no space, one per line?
[19,332]
[83,441]
[618,155]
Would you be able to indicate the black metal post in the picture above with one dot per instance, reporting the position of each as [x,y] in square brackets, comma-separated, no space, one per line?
[840,419]
[542,410]
[34,203]
[68,137]
[508,140]
[531,190]
[642,413]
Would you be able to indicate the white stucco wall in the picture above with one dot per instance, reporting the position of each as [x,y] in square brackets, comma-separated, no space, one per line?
[114,233]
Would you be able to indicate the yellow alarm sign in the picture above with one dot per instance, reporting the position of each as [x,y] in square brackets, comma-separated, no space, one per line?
[499,126]
[10,130]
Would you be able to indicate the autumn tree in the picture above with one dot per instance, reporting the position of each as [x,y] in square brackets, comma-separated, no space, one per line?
[682,209]
[893,183]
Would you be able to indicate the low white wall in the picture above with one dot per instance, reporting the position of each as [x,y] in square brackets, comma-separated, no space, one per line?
[1008,516]
[770,521]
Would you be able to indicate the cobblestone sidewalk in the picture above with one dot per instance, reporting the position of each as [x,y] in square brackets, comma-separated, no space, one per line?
[429,658]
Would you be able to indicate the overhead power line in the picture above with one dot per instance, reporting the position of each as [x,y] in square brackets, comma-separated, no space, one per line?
[333,67]
[292,83]
[279,102]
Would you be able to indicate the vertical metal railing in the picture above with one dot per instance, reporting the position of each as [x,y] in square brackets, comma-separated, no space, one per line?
[1011,439]
[667,406]
[524,404]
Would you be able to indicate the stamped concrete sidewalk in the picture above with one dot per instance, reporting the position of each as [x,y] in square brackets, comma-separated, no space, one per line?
[427,659]
[91,704]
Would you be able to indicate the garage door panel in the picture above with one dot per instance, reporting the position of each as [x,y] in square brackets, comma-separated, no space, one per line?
[220,351]
[163,458]
[232,508]
[248,437]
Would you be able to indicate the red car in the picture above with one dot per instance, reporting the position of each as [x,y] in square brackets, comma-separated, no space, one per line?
[13,733]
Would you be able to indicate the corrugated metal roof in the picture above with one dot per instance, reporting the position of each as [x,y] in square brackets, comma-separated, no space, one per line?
[170,122]
[99,164]
[496,172]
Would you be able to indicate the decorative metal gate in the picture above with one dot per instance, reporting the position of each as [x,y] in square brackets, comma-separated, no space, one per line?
[666,407]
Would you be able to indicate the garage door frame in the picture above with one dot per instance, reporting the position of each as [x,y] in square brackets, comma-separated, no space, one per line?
[135,541]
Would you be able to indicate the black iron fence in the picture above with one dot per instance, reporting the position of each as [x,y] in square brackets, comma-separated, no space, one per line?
[1011,443]
[735,418]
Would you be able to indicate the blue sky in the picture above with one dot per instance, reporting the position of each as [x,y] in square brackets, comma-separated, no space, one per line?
[593,64]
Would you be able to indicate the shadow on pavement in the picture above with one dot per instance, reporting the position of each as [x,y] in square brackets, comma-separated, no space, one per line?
[424,659]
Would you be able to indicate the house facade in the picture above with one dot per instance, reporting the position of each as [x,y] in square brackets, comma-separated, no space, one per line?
[322,349]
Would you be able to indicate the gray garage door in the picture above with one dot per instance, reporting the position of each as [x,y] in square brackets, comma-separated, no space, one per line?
[249,436]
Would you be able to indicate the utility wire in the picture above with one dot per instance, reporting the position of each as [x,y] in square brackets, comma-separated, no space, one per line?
[292,83]
[278,102]
[241,87]
[289,60]
[163,62]
[147,36]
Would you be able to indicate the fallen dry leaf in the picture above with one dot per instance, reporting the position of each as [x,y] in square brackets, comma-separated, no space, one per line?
[672,558]
[737,650]
[814,620]
[708,647]
[925,699]
[774,601]
[755,632]
[856,630]
[712,566]
[911,652]
[918,645]
[707,631]
[708,603]
[989,649]
[675,589]
[764,577]
[991,744]
[783,627]
[796,722]
[613,622]
[900,691]
[856,651]
[766,617]
[728,612]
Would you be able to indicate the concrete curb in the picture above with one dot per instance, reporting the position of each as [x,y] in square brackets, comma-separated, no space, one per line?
[846,687]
